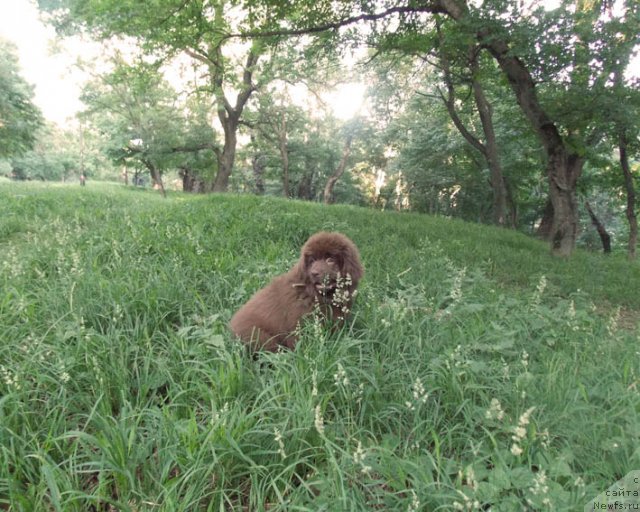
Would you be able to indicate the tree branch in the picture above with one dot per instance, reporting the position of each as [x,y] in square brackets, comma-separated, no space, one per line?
[434,6]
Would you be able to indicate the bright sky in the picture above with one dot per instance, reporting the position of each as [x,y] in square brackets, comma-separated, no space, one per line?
[57,83]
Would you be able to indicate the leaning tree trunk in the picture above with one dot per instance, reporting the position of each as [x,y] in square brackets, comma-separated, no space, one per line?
[333,179]
[488,149]
[563,165]
[491,148]
[605,237]
[156,177]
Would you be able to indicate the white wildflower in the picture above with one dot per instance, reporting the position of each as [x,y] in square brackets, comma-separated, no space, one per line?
[471,478]
[340,377]
[10,379]
[358,457]
[319,421]
[495,411]
[537,296]
[419,393]
[314,383]
[540,483]
[612,326]
[414,506]
[467,503]
[520,431]
[278,438]
[545,439]
[456,288]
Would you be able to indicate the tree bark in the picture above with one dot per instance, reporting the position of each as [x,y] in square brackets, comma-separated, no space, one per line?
[156,177]
[605,238]
[631,196]
[544,229]
[190,181]
[339,171]
[563,170]
[227,156]
[305,186]
[258,166]
[284,154]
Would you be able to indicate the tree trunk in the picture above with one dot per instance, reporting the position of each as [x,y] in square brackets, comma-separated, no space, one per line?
[563,165]
[284,154]
[333,179]
[305,186]
[491,148]
[511,205]
[228,114]
[488,149]
[544,229]
[563,170]
[258,165]
[605,238]
[631,197]
[227,156]
[191,182]
[156,177]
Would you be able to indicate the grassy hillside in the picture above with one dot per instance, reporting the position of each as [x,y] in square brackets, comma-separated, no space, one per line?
[477,371]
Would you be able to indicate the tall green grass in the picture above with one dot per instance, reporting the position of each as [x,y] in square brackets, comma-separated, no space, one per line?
[476,372]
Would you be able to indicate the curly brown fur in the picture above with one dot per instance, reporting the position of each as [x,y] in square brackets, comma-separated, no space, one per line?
[326,276]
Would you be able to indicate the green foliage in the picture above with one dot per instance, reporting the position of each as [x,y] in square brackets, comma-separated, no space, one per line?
[477,371]
[144,125]
[59,155]
[19,117]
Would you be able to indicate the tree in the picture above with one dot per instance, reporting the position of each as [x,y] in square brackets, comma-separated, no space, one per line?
[518,42]
[62,154]
[145,125]
[273,124]
[169,27]
[20,119]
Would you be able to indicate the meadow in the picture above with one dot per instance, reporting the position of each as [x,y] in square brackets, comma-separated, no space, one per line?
[477,372]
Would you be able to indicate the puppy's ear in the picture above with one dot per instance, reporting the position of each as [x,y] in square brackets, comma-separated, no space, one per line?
[351,263]
[301,266]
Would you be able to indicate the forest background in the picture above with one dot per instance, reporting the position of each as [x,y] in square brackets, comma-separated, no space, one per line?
[520,114]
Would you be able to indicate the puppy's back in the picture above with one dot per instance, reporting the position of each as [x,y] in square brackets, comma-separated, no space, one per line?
[269,318]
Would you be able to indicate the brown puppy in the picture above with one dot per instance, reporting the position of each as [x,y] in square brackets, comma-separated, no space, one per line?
[326,276]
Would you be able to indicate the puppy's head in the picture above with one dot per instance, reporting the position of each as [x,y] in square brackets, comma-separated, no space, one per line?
[328,257]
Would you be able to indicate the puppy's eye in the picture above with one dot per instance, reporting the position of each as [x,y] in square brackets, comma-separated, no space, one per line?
[331,261]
